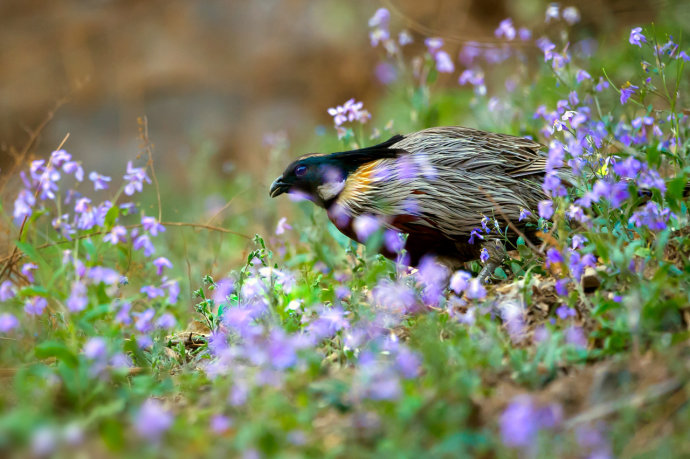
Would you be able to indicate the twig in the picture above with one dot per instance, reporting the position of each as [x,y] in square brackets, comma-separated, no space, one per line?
[144,135]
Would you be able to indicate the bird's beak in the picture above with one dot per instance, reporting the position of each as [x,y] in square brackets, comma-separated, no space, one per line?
[279,187]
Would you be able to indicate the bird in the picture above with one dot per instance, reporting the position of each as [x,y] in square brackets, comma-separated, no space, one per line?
[435,185]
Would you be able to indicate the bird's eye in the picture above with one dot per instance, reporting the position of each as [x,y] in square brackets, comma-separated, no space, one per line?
[300,171]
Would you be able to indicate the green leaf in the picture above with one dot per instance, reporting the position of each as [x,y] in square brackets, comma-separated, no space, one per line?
[58,350]
[111,217]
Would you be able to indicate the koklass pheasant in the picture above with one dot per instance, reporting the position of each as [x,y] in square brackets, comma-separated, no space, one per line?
[435,185]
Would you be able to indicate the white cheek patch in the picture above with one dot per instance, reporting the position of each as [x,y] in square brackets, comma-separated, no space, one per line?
[330,190]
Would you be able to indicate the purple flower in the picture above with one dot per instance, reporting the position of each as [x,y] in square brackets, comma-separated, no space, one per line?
[433,44]
[636,37]
[408,363]
[460,281]
[405,38]
[7,291]
[122,316]
[524,33]
[393,241]
[100,274]
[552,12]
[381,18]
[601,85]
[444,64]
[282,226]
[564,312]
[546,209]
[484,255]
[651,216]
[73,167]
[8,322]
[506,29]
[394,297]
[152,420]
[522,420]
[152,291]
[27,271]
[553,186]
[474,233]
[561,287]
[58,157]
[151,225]
[23,205]
[166,321]
[576,337]
[351,110]
[35,305]
[582,75]
[364,226]
[475,290]
[100,182]
[160,263]
[553,256]
[117,235]
[144,242]
[524,213]
[220,424]
[143,322]
[96,349]
[571,15]
[135,178]
[627,90]
[77,300]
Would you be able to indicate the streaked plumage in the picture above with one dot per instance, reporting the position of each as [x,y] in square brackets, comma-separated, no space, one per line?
[435,185]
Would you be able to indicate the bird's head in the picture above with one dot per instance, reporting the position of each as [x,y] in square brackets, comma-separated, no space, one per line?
[320,177]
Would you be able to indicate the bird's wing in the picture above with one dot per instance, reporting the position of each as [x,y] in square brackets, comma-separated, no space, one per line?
[473,150]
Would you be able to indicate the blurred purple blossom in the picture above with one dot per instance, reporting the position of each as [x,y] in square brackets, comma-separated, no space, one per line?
[405,38]
[100,274]
[282,226]
[7,290]
[475,290]
[636,37]
[122,315]
[152,420]
[582,75]
[73,167]
[152,225]
[393,240]
[135,178]
[575,336]
[100,182]
[386,73]
[459,281]
[552,12]
[351,110]
[220,424]
[117,235]
[522,420]
[77,300]
[546,209]
[23,205]
[561,286]
[506,29]
[444,64]
[365,226]
[144,242]
[143,320]
[160,263]
[651,216]
[513,317]
[96,348]
[571,15]
[553,256]
[35,305]
[166,321]
[433,44]
[28,269]
[393,296]
[524,213]
[565,312]
[8,322]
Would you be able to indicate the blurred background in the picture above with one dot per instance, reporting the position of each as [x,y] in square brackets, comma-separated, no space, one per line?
[220,74]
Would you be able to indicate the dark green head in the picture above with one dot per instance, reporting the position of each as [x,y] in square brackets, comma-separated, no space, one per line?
[322,177]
